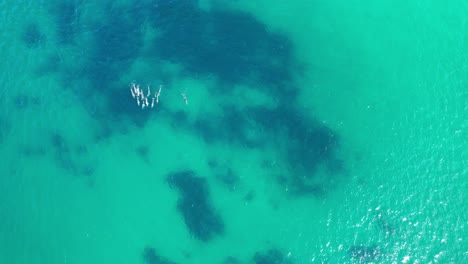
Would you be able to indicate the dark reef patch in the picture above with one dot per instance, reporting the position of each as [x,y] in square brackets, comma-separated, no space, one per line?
[387,227]
[66,14]
[364,254]
[5,128]
[224,175]
[228,178]
[81,150]
[32,151]
[249,196]
[386,223]
[32,36]
[194,204]
[51,65]
[143,152]
[117,43]
[23,101]
[230,45]
[233,126]
[69,160]
[309,143]
[271,256]
[150,256]
[231,260]
[305,143]
[63,156]
[58,142]
[233,46]
[213,164]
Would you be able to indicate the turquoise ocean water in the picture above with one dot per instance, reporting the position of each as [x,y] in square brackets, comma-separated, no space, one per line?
[313,131]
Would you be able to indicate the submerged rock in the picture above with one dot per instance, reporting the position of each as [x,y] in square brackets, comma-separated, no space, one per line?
[32,36]
[272,256]
[364,254]
[195,206]
[151,257]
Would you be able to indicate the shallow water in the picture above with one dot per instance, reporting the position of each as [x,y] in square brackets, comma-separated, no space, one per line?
[313,132]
